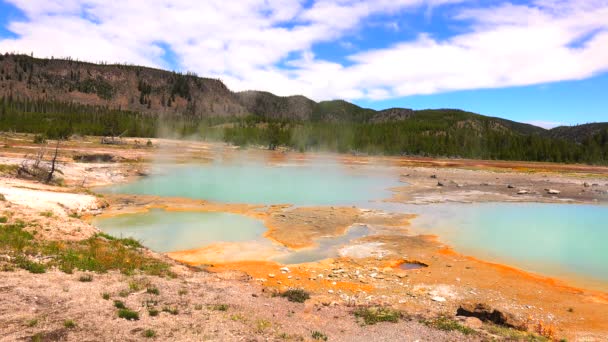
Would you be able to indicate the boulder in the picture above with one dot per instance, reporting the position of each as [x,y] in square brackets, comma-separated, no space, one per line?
[488,314]
[473,323]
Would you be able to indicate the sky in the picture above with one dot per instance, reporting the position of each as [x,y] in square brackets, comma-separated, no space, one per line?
[539,61]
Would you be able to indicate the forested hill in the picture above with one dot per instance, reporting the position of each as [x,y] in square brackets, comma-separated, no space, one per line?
[58,98]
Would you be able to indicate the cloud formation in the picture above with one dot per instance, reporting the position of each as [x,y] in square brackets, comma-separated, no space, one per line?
[269,44]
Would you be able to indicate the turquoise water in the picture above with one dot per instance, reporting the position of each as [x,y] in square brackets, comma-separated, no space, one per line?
[553,239]
[325,248]
[257,183]
[164,231]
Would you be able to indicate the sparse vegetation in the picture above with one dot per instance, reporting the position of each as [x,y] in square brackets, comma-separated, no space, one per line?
[149,333]
[261,325]
[105,296]
[296,295]
[85,278]
[46,214]
[182,292]
[153,312]
[128,314]
[219,307]
[173,311]
[32,323]
[447,324]
[119,304]
[96,254]
[3,219]
[319,336]
[376,314]
[514,334]
[70,324]
[153,290]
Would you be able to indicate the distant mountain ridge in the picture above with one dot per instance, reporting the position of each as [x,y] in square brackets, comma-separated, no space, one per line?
[154,91]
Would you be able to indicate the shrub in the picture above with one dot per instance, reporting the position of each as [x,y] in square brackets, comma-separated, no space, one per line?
[153,312]
[3,219]
[32,323]
[296,295]
[68,323]
[319,336]
[149,333]
[39,139]
[119,304]
[153,290]
[86,278]
[172,311]
[105,295]
[129,315]
[373,315]
[32,266]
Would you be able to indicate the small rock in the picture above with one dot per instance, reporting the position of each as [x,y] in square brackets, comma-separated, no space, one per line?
[433,176]
[439,184]
[271,275]
[330,291]
[586,185]
[438,299]
[285,269]
[523,192]
[510,186]
[553,191]
[473,322]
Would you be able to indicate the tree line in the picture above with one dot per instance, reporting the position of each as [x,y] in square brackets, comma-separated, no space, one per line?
[442,135]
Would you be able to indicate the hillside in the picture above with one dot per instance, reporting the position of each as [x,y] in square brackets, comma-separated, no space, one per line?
[60,98]
[153,91]
[578,133]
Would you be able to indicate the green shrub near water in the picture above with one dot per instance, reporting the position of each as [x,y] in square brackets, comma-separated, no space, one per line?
[95,254]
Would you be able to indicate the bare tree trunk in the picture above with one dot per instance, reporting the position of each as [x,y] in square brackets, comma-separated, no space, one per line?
[50,176]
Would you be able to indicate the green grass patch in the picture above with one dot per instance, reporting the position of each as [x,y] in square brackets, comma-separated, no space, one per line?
[296,295]
[128,314]
[32,266]
[105,296]
[3,219]
[47,213]
[511,334]
[376,314]
[447,324]
[96,254]
[32,323]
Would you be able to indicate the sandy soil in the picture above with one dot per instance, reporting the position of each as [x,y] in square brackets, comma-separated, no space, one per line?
[367,273]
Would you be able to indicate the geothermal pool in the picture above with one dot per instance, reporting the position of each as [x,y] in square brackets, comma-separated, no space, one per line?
[564,240]
[316,183]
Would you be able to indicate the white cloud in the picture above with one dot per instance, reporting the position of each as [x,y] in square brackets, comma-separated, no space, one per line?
[244,42]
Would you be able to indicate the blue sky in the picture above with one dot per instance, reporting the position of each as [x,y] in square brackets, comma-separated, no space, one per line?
[538,61]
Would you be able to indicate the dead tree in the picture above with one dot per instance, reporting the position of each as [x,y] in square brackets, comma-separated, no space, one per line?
[35,167]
